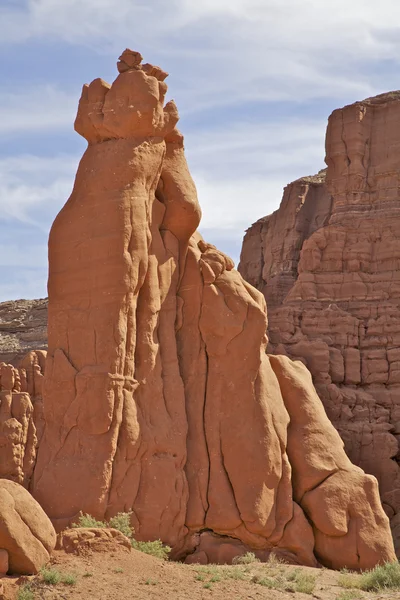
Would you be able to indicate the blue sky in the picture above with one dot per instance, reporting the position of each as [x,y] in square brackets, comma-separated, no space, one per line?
[254,80]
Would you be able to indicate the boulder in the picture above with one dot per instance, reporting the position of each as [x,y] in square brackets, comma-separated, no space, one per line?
[26,533]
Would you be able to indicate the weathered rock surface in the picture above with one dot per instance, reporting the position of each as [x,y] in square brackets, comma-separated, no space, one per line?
[21,416]
[158,395]
[26,533]
[23,327]
[85,540]
[328,264]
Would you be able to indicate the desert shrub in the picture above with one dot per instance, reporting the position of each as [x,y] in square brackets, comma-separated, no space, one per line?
[50,576]
[385,576]
[25,593]
[53,577]
[68,579]
[274,560]
[121,521]
[245,559]
[305,583]
[234,573]
[85,520]
[349,595]
[267,582]
[155,548]
[348,580]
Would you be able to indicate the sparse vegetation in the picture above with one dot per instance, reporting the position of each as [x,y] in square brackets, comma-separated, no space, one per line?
[122,522]
[349,595]
[305,583]
[68,579]
[347,579]
[155,548]
[235,573]
[50,576]
[25,593]
[85,520]
[274,560]
[383,577]
[380,578]
[245,559]
[54,577]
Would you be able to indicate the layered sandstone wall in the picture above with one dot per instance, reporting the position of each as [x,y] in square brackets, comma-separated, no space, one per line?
[338,308]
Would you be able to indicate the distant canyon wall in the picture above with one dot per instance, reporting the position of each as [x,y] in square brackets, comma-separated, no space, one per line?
[328,264]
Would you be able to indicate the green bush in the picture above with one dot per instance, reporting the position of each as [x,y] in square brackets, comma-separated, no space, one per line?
[305,583]
[385,576]
[53,577]
[25,593]
[122,522]
[86,520]
[245,559]
[68,579]
[155,548]
[50,576]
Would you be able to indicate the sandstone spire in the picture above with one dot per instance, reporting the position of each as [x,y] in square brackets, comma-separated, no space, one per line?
[158,395]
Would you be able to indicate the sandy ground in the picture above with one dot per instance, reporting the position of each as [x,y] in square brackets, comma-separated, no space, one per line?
[134,575]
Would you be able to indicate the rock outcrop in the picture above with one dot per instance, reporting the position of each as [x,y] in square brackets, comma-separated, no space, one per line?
[23,327]
[26,533]
[21,416]
[158,395]
[328,264]
[83,541]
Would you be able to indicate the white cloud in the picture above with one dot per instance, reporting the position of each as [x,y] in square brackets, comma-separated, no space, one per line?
[35,109]
[265,148]
[31,187]
[229,51]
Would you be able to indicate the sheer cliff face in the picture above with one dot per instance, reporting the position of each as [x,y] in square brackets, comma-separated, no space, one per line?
[338,309]
[158,395]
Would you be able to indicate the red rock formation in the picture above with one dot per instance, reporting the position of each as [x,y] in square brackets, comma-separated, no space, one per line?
[26,533]
[328,264]
[18,438]
[159,397]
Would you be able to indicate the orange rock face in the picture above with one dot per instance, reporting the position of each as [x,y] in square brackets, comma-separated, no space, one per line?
[26,533]
[328,263]
[159,397]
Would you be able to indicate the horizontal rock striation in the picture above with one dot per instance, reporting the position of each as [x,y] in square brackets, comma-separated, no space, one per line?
[327,262]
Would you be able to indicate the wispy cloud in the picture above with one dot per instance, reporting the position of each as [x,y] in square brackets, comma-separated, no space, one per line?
[229,51]
[33,189]
[33,109]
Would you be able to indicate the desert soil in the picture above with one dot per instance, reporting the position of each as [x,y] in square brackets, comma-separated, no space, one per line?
[122,576]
